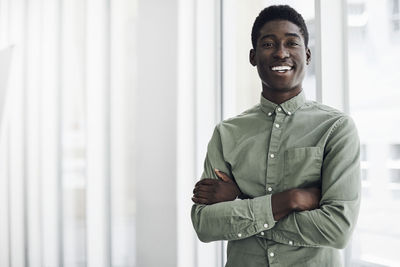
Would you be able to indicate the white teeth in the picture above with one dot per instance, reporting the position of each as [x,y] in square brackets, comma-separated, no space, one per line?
[281,68]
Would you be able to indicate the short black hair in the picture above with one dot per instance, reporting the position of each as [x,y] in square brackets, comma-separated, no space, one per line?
[278,12]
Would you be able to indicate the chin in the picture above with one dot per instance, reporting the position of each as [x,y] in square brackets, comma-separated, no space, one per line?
[282,88]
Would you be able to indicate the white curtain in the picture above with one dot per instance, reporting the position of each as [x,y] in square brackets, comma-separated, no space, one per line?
[66,196]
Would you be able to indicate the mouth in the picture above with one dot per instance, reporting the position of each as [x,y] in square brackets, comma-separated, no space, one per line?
[281,69]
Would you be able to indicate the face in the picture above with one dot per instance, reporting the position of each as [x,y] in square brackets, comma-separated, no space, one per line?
[281,57]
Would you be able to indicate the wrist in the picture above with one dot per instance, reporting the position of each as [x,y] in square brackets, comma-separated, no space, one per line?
[282,204]
[293,199]
[238,192]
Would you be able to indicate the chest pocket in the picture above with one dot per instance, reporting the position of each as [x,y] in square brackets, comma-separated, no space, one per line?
[302,167]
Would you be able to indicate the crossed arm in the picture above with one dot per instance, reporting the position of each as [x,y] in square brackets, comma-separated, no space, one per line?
[310,217]
[210,191]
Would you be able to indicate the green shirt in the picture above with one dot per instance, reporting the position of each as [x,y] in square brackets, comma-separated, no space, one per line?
[271,148]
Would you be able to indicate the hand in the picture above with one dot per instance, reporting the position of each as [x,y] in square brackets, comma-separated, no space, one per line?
[210,191]
[296,199]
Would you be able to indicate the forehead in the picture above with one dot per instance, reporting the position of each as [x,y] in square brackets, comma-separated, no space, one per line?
[279,28]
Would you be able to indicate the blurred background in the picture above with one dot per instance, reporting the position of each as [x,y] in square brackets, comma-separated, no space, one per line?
[106,108]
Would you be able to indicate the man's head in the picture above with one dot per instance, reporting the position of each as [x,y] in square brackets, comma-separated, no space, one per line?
[280,51]
[280,12]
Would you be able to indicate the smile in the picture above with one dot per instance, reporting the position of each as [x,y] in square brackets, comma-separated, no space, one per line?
[281,69]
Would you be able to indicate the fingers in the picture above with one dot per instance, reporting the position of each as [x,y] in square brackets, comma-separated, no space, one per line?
[201,194]
[203,188]
[203,197]
[200,200]
[222,175]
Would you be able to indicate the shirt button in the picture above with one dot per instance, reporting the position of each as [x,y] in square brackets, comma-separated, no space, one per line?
[269,113]
[265,225]
[272,156]
[239,235]
[269,189]
[262,233]
[279,109]
[271,254]
[289,113]
[277,125]
[291,242]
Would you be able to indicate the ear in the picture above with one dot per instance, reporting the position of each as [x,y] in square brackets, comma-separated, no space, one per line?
[252,57]
[308,56]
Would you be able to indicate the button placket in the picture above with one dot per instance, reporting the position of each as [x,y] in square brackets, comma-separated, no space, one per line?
[276,132]
[271,257]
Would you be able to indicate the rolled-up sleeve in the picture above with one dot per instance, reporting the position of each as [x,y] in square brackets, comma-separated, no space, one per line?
[332,223]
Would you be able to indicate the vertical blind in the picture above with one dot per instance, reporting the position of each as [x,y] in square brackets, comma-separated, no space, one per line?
[66,196]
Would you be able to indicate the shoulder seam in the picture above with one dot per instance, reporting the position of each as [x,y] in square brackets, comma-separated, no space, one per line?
[337,124]
[318,106]
[254,109]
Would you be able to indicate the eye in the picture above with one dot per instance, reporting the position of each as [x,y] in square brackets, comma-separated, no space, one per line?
[268,45]
[293,44]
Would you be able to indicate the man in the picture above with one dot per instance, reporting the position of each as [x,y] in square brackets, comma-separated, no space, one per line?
[292,164]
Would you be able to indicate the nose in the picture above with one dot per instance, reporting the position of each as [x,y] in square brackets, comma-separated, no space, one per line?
[281,52]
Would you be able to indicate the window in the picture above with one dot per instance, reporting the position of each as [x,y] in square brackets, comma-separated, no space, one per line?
[395,151]
[363,152]
[357,19]
[364,162]
[394,170]
[395,15]
[394,176]
[374,106]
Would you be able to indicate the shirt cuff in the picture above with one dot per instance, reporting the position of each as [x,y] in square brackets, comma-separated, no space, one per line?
[262,209]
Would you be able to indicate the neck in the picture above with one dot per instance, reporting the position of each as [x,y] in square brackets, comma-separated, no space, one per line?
[278,97]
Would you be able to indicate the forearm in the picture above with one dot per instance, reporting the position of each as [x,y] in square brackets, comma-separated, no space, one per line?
[271,207]
[232,220]
[282,203]
[304,220]
[328,226]
[297,199]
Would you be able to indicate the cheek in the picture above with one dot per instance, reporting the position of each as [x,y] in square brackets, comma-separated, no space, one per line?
[263,66]
[302,68]
[301,64]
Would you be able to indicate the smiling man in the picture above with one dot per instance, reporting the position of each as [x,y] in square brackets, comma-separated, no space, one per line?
[281,180]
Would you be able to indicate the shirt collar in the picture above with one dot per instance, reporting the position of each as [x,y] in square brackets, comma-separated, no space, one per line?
[289,107]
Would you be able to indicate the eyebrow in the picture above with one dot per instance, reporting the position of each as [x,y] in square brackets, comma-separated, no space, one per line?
[286,34]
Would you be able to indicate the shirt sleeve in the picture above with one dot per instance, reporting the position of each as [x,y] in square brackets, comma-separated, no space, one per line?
[332,224]
[231,220]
